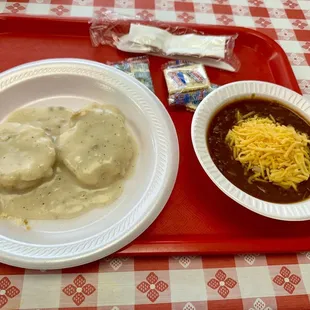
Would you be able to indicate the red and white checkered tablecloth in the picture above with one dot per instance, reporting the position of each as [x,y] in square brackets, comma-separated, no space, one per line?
[253,281]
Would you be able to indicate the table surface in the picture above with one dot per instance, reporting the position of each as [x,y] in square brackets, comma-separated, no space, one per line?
[253,281]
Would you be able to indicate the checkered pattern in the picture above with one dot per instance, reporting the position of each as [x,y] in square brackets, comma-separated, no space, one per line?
[286,21]
[252,281]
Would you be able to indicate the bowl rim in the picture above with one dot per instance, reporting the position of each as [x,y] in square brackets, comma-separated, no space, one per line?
[298,211]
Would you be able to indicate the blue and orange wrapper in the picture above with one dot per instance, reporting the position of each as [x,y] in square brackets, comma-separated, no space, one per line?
[187,82]
[191,99]
[137,67]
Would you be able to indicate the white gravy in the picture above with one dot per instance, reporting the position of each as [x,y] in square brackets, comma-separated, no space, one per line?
[63,196]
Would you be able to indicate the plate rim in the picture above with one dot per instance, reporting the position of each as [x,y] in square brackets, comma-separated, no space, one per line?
[170,174]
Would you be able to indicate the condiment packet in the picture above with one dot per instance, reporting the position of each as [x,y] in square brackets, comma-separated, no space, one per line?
[191,100]
[186,77]
[187,83]
[137,67]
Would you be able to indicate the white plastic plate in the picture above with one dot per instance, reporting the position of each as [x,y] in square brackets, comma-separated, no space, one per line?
[290,212]
[73,83]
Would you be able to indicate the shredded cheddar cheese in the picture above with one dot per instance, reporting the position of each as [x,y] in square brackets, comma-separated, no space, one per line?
[271,151]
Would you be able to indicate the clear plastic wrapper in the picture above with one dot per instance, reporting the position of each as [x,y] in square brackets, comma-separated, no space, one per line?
[137,67]
[132,34]
[187,83]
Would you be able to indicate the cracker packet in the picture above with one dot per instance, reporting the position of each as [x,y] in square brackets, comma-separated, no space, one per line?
[137,67]
[187,82]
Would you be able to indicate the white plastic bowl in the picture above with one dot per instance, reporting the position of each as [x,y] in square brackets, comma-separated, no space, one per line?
[299,211]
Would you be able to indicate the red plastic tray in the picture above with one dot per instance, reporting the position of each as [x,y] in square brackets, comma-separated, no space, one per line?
[198,218]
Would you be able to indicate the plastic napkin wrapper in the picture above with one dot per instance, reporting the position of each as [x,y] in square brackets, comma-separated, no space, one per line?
[132,34]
